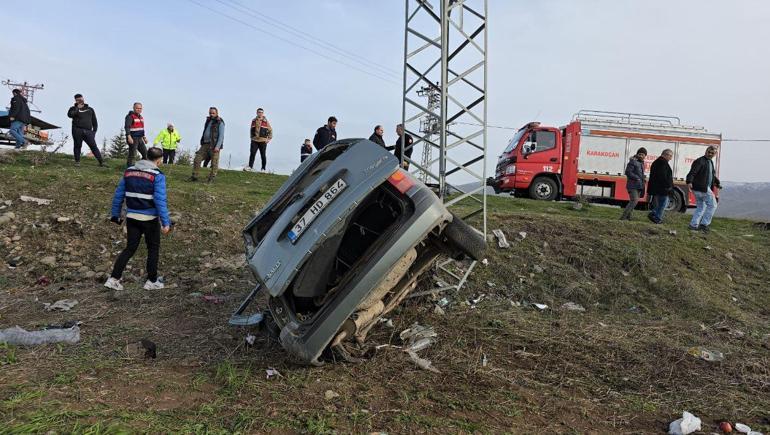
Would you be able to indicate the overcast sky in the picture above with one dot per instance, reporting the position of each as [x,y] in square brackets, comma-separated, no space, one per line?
[705,61]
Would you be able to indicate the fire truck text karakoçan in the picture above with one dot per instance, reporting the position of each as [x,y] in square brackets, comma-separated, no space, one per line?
[588,157]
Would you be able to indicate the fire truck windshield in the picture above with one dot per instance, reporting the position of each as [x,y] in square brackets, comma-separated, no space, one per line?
[515,141]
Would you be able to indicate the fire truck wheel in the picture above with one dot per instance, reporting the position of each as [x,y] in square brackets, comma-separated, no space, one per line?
[544,189]
[675,202]
[461,236]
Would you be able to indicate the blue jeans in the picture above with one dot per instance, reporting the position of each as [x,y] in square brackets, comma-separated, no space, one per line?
[659,203]
[17,131]
[705,206]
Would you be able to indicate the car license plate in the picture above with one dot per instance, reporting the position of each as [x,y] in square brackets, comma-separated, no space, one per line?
[316,209]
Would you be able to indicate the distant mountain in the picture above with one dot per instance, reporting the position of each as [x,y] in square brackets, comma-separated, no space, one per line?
[745,201]
[737,200]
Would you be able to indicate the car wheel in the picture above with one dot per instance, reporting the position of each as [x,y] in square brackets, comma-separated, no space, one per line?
[675,202]
[463,237]
[544,189]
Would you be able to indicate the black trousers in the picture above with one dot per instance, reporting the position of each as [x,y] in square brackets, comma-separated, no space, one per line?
[138,145]
[81,134]
[262,147]
[168,156]
[151,232]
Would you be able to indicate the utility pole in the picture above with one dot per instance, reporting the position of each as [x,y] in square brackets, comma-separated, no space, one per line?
[27,91]
[445,51]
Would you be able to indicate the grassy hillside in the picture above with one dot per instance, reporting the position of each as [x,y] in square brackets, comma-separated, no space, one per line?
[650,294]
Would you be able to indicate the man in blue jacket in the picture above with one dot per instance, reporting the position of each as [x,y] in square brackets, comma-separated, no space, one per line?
[143,187]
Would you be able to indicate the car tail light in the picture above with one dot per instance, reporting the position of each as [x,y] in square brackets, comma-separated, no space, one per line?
[401,181]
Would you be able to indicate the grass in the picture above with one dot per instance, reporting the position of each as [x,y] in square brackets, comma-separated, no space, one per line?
[620,366]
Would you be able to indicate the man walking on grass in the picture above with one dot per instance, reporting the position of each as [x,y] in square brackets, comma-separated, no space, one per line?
[168,139]
[19,116]
[635,182]
[84,125]
[135,136]
[143,188]
[261,133]
[212,140]
[660,186]
[702,179]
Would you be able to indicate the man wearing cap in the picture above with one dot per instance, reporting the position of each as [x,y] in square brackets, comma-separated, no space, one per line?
[84,127]
[169,138]
[19,116]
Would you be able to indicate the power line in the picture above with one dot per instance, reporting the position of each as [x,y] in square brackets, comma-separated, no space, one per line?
[326,45]
[247,24]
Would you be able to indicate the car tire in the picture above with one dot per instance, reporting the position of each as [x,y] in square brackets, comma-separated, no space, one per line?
[543,189]
[463,237]
[675,202]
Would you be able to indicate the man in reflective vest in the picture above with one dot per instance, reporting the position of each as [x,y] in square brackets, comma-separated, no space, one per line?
[169,139]
[143,188]
[137,140]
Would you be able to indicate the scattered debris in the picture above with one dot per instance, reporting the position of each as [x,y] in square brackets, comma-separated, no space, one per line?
[571,306]
[475,301]
[330,395]
[61,305]
[443,302]
[387,322]
[63,219]
[706,354]
[439,311]
[485,262]
[250,339]
[708,247]
[491,284]
[524,354]
[625,273]
[22,337]
[725,427]
[49,260]
[271,373]
[729,256]
[538,269]
[213,299]
[43,281]
[729,277]
[685,425]
[484,360]
[577,206]
[418,337]
[672,232]
[523,235]
[742,428]
[501,241]
[38,201]
[541,307]
[653,280]
[421,362]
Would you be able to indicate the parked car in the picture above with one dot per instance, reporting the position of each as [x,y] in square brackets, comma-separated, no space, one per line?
[343,242]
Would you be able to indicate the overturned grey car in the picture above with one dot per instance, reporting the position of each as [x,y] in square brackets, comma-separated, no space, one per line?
[342,243]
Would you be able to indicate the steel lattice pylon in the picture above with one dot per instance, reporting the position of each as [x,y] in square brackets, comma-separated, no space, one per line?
[445,54]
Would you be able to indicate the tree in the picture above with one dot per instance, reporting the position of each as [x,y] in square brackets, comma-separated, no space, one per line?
[105,151]
[118,146]
[184,157]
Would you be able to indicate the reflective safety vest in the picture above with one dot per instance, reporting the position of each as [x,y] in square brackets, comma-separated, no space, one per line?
[137,124]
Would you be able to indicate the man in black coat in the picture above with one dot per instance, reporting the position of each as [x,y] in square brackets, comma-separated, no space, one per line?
[400,150]
[376,137]
[19,116]
[660,185]
[84,126]
[702,179]
[326,134]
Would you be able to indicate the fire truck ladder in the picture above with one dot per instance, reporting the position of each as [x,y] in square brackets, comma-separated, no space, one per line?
[445,58]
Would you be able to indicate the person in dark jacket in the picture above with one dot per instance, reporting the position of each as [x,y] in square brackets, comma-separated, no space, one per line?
[635,182]
[143,188]
[702,179]
[399,150]
[84,125]
[306,150]
[326,134]
[212,141]
[377,138]
[660,185]
[19,116]
[135,135]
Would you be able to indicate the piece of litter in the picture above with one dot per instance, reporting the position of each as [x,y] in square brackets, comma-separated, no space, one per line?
[625,273]
[571,306]
[38,201]
[484,360]
[708,247]
[417,332]
[214,299]
[21,337]
[271,373]
[706,354]
[672,232]
[62,305]
[502,243]
[485,262]
[443,302]
[250,339]
[729,256]
[603,325]
[421,362]
[540,307]
[685,425]
[491,284]
[438,310]
[523,235]
[742,428]
[330,395]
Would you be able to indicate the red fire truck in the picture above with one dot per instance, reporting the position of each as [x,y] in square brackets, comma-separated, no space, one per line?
[588,156]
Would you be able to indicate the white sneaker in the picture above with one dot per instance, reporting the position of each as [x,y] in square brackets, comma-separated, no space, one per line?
[263,170]
[247,169]
[157,285]
[114,284]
